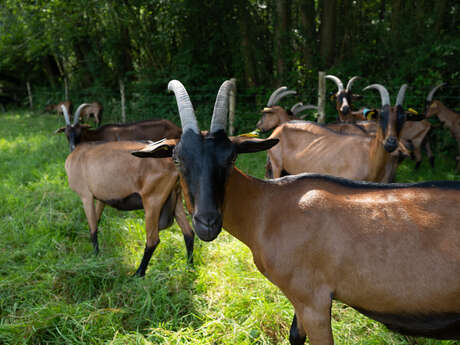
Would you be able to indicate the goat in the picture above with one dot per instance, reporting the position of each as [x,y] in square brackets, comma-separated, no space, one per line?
[126,183]
[92,110]
[307,147]
[58,107]
[154,129]
[274,116]
[449,118]
[344,98]
[389,251]
[413,133]
[107,173]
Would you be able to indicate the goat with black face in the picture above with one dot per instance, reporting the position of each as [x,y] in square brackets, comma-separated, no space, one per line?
[388,250]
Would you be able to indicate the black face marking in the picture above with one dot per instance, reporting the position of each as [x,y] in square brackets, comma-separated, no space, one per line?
[401,118]
[340,98]
[384,118]
[129,203]
[436,325]
[204,163]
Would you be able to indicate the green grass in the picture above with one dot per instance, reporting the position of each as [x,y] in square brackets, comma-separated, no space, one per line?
[53,290]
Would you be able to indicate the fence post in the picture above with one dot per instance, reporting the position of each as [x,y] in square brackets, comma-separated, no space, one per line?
[122,96]
[321,97]
[231,106]
[66,89]
[29,93]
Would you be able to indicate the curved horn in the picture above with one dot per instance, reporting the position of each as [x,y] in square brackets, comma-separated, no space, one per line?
[283,94]
[350,83]
[301,108]
[76,117]
[66,115]
[335,80]
[274,94]
[219,115]
[295,106]
[429,98]
[384,95]
[401,94]
[186,112]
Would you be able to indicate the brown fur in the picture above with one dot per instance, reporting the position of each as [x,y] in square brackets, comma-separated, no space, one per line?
[392,251]
[450,119]
[93,110]
[307,147]
[57,107]
[107,171]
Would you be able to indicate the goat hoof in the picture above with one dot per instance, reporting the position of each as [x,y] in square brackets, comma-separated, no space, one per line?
[138,274]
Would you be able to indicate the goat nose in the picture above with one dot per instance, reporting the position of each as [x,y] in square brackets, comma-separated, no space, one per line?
[390,144]
[207,226]
[345,109]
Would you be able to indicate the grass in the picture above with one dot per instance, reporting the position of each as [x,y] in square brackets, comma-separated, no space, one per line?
[53,290]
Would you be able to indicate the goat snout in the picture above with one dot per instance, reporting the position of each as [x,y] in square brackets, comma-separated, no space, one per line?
[207,226]
[391,143]
[345,109]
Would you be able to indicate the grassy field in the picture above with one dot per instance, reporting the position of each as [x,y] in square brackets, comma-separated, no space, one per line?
[53,290]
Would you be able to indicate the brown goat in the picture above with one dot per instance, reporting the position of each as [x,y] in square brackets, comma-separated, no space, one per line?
[108,174]
[413,133]
[93,110]
[389,251]
[343,99]
[58,107]
[307,147]
[449,118]
[154,129]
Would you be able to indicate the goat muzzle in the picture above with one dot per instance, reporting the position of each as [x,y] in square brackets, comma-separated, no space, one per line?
[390,144]
[207,227]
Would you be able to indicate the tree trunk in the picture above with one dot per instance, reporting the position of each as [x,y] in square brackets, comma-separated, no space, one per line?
[244,23]
[327,33]
[308,30]
[282,38]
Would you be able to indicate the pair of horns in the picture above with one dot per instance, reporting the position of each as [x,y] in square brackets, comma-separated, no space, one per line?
[278,94]
[339,83]
[385,96]
[77,114]
[429,98]
[187,114]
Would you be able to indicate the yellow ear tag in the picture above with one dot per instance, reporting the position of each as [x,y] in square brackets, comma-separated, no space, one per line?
[254,134]
[370,114]
[266,109]
[412,111]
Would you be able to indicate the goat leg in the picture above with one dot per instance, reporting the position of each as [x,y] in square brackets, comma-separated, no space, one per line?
[151,228]
[296,336]
[429,152]
[316,319]
[182,221]
[88,206]
[148,251]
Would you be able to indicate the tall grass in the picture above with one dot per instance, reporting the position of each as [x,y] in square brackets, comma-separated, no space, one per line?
[53,290]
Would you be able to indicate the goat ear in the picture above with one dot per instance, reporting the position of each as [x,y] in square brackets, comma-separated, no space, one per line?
[254,145]
[158,149]
[59,130]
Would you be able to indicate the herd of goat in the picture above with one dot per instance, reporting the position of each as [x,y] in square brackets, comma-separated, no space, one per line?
[389,250]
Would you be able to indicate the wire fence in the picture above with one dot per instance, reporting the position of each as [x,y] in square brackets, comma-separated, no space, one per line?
[143,104]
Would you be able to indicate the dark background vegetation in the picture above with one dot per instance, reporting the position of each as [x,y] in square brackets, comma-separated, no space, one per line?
[96,43]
